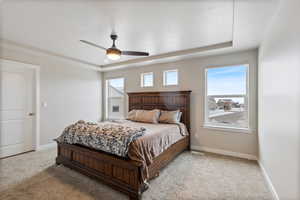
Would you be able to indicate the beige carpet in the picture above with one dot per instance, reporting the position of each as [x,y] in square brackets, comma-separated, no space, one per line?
[34,176]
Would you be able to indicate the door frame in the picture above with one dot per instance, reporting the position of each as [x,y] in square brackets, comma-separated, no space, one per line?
[36,104]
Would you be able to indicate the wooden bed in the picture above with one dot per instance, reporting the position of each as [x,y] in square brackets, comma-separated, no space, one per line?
[122,174]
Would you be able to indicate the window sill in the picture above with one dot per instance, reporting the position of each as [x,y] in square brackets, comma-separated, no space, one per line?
[171,85]
[147,86]
[228,129]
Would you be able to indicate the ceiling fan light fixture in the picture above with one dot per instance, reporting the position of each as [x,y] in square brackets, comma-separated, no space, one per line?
[113,53]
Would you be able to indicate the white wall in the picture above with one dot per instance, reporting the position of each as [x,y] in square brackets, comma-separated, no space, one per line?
[192,77]
[279,101]
[72,91]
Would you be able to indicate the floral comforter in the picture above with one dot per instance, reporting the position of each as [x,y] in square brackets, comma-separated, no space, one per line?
[109,137]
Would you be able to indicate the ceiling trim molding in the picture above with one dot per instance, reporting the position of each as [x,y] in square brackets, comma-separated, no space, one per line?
[10,43]
[182,59]
[171,54]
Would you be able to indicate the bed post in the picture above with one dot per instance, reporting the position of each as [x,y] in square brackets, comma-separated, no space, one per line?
[188,123]
[136,196]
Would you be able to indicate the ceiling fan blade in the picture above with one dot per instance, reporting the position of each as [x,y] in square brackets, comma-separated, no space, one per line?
[92,44]
[135,53]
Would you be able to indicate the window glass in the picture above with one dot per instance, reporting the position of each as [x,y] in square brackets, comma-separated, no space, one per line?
[147,79]
[227,98]
[171,77]
[115,98]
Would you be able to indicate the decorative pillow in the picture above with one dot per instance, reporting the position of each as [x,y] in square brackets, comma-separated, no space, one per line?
[170,117]
[148,116]
[131,115]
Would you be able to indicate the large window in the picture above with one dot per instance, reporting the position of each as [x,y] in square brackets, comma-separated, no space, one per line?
[115,98]
[147,79]
[171,77]
[227,97]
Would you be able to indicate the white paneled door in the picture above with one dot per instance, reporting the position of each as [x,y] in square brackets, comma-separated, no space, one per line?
[17,113]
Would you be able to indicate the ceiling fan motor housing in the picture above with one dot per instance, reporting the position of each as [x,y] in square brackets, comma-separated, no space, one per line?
[113,53]
[113,36]
[113,50]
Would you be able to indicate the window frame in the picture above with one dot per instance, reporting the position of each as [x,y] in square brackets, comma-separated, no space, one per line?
[142,79]
[219,126]
[165,77]
[106,117]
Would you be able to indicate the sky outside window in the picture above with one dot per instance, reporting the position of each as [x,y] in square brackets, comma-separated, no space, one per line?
[171,77]
[117,83]
[148,80]
[227,80]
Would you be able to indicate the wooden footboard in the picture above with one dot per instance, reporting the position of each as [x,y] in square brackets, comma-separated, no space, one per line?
[121,174]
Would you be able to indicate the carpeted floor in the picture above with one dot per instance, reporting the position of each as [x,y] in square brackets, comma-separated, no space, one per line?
[33,176]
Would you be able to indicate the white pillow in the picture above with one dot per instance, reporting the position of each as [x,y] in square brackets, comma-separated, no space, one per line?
[170,117]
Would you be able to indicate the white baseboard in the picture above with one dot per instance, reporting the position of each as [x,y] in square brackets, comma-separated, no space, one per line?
[46,146]
[224,152]
[269,182]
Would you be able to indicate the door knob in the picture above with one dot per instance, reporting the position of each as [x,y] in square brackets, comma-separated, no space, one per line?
[31,114]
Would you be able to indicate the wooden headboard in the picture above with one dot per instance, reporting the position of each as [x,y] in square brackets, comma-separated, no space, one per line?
[177,100]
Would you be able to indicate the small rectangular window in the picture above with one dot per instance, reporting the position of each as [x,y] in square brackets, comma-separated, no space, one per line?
[171,77]
[227,97]
[147,79]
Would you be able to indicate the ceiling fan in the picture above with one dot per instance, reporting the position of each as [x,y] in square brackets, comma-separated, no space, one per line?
[113,52]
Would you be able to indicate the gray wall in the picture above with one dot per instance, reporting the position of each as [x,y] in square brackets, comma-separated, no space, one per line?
[279,101]
[71,90]
[191,77]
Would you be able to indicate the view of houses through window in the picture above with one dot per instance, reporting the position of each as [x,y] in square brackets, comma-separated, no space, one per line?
[115,98]
[227,96]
